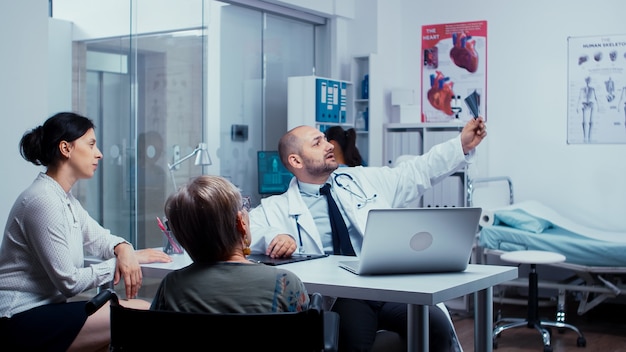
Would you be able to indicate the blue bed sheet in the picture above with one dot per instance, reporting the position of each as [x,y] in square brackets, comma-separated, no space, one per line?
[577,249]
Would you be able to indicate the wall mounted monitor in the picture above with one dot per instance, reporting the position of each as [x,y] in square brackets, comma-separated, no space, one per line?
[272,175]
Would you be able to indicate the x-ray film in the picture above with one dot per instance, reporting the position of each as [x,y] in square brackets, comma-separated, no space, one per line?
[473,103]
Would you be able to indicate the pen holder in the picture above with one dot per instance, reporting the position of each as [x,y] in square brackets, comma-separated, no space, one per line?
[170,245]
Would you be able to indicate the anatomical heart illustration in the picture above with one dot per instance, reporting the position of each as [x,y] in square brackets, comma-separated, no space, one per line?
[454,71]
[463,53]
[440,94]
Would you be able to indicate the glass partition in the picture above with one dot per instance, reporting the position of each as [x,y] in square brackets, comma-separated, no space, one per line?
[186,72]
[145,92]
[259,52]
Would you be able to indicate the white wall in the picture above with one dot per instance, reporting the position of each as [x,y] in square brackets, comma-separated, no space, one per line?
[59,66]
[527,105]
[23,90]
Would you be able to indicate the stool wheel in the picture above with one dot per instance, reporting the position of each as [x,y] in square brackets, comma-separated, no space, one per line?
[581,342]
[547,348]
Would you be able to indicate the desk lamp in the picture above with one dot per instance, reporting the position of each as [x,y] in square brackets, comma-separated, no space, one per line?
[202,158]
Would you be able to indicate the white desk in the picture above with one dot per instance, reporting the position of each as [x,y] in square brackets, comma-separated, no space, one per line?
[418,291]
[159,270]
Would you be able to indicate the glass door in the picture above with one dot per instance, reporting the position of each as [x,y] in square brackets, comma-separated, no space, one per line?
[253,86]
[109,97]
[145,94]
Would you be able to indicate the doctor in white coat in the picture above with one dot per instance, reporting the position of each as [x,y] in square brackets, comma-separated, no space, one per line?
[297,220]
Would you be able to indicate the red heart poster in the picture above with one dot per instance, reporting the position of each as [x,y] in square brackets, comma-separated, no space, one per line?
[454,71]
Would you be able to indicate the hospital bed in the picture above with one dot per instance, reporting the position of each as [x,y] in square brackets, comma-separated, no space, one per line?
[595,259]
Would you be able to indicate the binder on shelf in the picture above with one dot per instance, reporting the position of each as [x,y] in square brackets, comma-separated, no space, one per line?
[395,144]
[428,199]
[446,192]
[437,195]
[343,103]
[324,101]
[414,142]
[334,99]
[452,187]
[323,128]
[417,143]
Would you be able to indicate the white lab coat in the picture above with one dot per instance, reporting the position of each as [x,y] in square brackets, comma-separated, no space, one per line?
[394,188]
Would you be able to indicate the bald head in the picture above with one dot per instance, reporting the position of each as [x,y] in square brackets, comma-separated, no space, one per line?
[289,143]
[292,142]
[305,153]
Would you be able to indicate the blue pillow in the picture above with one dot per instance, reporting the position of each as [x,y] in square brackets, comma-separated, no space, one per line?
[520,219]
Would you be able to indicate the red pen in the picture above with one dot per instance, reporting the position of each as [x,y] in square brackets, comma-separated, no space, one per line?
[167,234]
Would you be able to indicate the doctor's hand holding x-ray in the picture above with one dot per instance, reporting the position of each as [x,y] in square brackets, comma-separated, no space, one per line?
[298,220]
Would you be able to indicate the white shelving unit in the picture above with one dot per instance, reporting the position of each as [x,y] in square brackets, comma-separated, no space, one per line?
[361,70]
[304,105]
[370,138]
[418,138]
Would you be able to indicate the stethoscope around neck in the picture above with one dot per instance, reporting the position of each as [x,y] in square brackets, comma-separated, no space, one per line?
[361,195]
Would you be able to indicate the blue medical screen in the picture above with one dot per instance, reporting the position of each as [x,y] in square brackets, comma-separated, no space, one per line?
[273,176]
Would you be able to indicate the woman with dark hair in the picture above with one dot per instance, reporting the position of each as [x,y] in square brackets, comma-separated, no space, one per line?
[46,236]
[346,151]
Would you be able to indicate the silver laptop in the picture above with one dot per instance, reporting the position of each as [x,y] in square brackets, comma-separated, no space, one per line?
[416,240]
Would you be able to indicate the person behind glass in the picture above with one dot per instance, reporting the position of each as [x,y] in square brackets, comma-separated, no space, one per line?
[42,252]
[210,220]
[300,219]
[344,141]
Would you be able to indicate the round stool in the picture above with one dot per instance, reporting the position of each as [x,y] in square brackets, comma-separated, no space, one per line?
[532,320]
[533,257]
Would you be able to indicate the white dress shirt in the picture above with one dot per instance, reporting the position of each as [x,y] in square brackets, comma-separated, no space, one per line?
[42,252]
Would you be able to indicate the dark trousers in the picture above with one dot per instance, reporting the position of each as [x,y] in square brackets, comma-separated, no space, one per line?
[360,320]
[51,327]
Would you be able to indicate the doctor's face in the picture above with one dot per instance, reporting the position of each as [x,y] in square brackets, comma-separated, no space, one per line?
[317,153]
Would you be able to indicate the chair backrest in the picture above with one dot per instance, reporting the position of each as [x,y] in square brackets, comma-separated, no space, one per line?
[145,330]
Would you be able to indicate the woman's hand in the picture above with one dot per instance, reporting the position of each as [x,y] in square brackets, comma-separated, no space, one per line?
[127,268]
[152,255]
[127,265]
